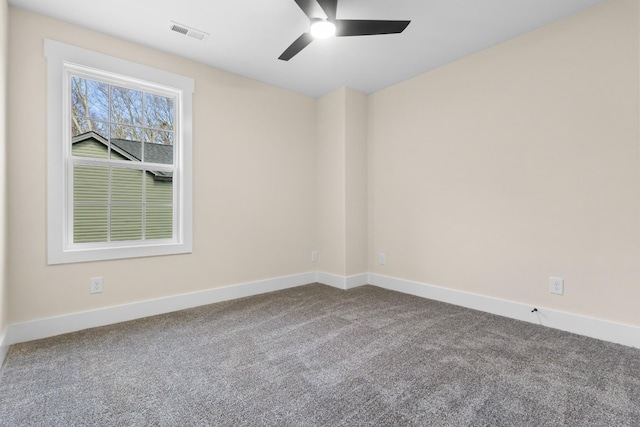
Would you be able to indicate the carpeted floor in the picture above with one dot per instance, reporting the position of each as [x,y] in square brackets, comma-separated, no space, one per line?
[319,356]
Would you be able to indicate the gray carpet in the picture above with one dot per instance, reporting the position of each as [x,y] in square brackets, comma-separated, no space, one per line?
[316,355]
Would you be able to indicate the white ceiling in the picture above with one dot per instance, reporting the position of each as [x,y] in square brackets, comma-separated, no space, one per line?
[247,36]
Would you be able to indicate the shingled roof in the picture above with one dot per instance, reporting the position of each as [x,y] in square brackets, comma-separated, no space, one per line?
[132,150]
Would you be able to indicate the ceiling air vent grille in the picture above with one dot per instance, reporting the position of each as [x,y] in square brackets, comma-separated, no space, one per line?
[188,31]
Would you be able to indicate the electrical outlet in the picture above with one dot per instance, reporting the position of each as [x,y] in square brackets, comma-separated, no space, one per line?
[97,285]
[382,259]
[556,285]
[314,256]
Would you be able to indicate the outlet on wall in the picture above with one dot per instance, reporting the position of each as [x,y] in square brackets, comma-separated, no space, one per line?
[314,256]
[97,285]
[556,285]
[382,258]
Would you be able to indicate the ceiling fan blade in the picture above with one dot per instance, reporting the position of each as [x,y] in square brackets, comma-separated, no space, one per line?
[329,7]
[311,8]
[300,43]
[355,27]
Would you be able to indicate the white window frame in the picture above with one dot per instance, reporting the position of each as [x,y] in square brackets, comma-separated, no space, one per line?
[63,59]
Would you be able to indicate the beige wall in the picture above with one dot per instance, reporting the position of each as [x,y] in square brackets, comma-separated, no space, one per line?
[342,182]
[254,183]
[4,287]
[356,183]
[515,164]
[331,190]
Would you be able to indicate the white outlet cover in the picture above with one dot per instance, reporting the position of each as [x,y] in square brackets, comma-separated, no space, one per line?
[97,285]
[382,258]
[556,285]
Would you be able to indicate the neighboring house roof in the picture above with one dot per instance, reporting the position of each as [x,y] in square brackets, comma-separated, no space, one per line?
[132,150]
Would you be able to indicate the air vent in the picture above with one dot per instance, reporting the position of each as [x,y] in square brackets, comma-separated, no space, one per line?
[188,31]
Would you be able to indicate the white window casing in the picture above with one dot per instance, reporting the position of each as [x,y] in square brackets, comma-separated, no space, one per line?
[64,60]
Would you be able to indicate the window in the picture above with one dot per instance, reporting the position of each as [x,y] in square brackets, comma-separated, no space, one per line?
[121,165]
[119,157]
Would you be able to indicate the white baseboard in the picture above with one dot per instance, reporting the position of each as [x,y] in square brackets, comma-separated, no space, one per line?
[342,282]
[591,327]
[52,326]
[42,328]
[357,280]
[4,344]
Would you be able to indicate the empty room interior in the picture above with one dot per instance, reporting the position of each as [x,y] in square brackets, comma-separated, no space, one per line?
[435,224]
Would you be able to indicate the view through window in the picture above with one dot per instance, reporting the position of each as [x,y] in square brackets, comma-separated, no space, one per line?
[125,192]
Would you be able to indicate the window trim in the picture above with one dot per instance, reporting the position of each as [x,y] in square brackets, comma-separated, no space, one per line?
[58,251]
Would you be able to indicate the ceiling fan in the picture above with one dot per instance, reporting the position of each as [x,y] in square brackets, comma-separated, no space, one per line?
[323,28]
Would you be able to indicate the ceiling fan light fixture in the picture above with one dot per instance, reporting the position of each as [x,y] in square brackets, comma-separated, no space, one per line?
[321,29]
